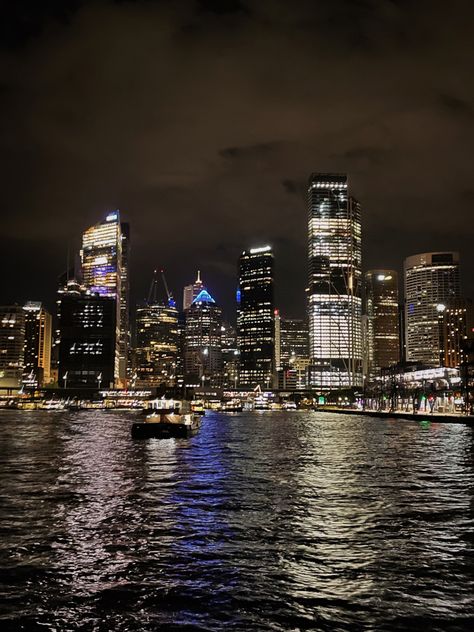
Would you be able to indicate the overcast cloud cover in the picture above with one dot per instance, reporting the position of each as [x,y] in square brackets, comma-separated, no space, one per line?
[202,120]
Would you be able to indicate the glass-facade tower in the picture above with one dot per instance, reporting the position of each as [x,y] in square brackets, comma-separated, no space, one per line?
[334,289]
[381,308]
[255,318]
[203,342]
[157,344]
[101,260]
[431,282]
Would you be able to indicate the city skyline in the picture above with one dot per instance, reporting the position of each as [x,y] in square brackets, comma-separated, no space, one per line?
[225,168]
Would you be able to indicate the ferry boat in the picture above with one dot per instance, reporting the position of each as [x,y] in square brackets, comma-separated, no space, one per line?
[261,403]
[232,406]
[52,404]
[165,419]
[289,405]
[198,408]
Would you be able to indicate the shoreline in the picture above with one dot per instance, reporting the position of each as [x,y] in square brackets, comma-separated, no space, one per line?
[432,417]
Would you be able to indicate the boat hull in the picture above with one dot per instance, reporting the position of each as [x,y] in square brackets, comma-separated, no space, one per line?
[163,430]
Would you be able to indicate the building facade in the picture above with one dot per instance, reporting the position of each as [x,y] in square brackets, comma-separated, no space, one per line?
[157,345]
[203,342]
[191,291]
[455,327]
[87,339]
[334,288]
[382,340]
[125,333]
[291,352]
[101,260]
[12,344]
[38,342]
[431,280]
[255,318]
[230,356]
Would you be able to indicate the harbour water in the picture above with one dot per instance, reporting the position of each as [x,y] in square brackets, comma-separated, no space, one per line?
[261,521]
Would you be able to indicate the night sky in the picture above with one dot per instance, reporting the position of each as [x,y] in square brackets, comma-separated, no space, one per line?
[202,120]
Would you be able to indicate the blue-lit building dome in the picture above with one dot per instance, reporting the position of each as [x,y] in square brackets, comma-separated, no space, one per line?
[203,297]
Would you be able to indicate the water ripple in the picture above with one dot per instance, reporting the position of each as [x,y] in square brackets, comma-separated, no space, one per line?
[271,521]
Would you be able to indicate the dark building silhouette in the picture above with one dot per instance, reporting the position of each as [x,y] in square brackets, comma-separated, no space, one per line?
[86,338]
[255,318]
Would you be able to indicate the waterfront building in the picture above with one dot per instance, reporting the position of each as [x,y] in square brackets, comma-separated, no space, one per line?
[455,327]
[291,352]
[101,259]
[87,337]
[382,325]
[125,333]
[431,280]
[191,291]
[203,342]
[294,340]
[12,343]
[255,318]
[334,289]
[38,341]
[230,356]
[157,344]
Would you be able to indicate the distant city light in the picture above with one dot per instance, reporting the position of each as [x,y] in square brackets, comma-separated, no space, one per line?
[254,251]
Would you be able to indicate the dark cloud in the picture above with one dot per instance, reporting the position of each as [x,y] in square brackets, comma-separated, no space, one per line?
[202,121]
[250,151]
[294,188]
[456,106]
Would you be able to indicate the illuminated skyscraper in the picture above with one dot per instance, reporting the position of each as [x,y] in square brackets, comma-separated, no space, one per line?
[157,344]
[203,342]
[12,341]
[334,289]
[431,281]
[456,325]
[38,338]
[381,308]
[230,356]
[190,292]
[101,258]
[255,318]
[125,335]
[291,352]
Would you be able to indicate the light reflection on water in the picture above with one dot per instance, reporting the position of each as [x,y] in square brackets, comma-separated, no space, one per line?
[282,521]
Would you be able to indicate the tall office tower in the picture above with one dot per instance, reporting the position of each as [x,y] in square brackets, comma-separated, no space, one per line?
[38,339]
[230,356]
[255,318]
[203,342]
[87,337]
[101,258]
[431,280]
[456,324]
[125,334]
[294,340]
[291,352]
[381,308]
[190,292]
[12,342]
[157,344]
[334,290]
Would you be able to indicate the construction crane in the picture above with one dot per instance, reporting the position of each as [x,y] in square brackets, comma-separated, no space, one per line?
[171,301]
[152,294]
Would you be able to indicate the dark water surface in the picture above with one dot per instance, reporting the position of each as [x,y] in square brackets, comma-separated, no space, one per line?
[262,521]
